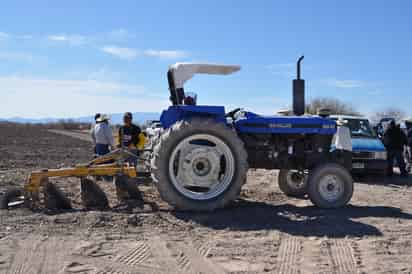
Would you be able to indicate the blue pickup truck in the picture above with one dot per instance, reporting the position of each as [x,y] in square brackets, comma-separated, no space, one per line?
[368,152]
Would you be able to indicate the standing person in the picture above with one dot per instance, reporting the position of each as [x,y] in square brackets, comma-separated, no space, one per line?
[410,147]
[131,136]
[96,116]
[102,135]
[395,140]
[129,133]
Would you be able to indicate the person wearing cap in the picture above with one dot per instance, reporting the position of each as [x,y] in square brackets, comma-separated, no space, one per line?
[102,135]
[129,133]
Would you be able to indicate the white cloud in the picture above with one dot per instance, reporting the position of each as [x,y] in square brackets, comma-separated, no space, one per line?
[166,54]
[4,36]
[16,56]
[120,52]
[16,83]
[57,37]
[69,98]
[345,84]
[120,35]
[73,39]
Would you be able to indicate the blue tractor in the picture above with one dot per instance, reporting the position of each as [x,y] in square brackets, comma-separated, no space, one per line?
[201,158]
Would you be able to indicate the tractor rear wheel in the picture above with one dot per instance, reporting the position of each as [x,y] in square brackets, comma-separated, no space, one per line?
[293,183]
[199,165]
[330,186]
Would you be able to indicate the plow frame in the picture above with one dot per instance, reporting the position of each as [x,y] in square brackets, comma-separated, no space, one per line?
[112,164]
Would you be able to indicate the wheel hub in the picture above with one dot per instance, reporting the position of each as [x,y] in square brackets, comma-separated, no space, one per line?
[331,188]
[295,179]
[201,166]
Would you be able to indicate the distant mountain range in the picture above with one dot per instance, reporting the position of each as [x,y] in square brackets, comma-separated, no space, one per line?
[115,118]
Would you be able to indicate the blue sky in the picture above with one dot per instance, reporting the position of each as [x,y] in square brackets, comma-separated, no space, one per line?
[74,58]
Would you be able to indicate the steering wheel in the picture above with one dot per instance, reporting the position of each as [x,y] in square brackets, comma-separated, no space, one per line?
[232,113]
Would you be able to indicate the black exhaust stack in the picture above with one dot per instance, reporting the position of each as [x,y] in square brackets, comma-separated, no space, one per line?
[299,92]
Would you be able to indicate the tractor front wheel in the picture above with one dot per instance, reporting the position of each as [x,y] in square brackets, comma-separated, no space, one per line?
[330,186]
[293,183]
[199,165]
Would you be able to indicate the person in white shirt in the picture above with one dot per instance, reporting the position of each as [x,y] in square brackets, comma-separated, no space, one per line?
[102,135]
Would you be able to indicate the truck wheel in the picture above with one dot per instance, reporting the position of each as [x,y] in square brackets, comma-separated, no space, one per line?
[10,196]
[330,186]
[199,165]
[292,183]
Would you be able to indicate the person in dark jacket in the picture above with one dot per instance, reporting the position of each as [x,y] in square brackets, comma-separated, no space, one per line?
[410,147]
[129,136]
[395,141]
[129,132]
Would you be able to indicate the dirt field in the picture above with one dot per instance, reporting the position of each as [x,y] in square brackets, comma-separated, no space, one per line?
[262,232]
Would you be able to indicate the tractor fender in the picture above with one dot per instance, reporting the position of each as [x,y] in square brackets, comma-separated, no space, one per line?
[182,112]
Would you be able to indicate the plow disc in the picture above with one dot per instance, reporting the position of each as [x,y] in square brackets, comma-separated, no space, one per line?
[92,196]
[54,197]
[12,197]
[126,190]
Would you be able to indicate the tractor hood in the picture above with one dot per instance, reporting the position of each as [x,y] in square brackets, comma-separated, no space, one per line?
[367,144]
[185,71]
[254,123]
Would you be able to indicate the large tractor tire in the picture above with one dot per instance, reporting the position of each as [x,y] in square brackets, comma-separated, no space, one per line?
[292,183]
[199,165]
[10,196]
[330,186]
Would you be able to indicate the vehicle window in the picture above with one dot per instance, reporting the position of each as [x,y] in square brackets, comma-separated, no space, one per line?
[359,128]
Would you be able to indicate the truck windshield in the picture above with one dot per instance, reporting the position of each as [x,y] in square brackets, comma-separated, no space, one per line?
[359,128]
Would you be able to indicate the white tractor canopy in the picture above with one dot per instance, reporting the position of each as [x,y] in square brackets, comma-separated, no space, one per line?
[183,72]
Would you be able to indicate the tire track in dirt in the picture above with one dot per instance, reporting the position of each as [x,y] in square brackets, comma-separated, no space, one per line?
[312,258]
[343,258]
[136,255]
[204,249]
[358,256]
[289,255]
[198,263]
[163,255]
[6,257]
[98,256]
[26,259]
[183,257]
[340,256]
[39,255]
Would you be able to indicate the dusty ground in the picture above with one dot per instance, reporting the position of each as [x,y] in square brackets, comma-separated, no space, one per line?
[262,232]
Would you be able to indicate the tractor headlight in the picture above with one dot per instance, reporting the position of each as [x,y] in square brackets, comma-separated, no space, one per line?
[380,155]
